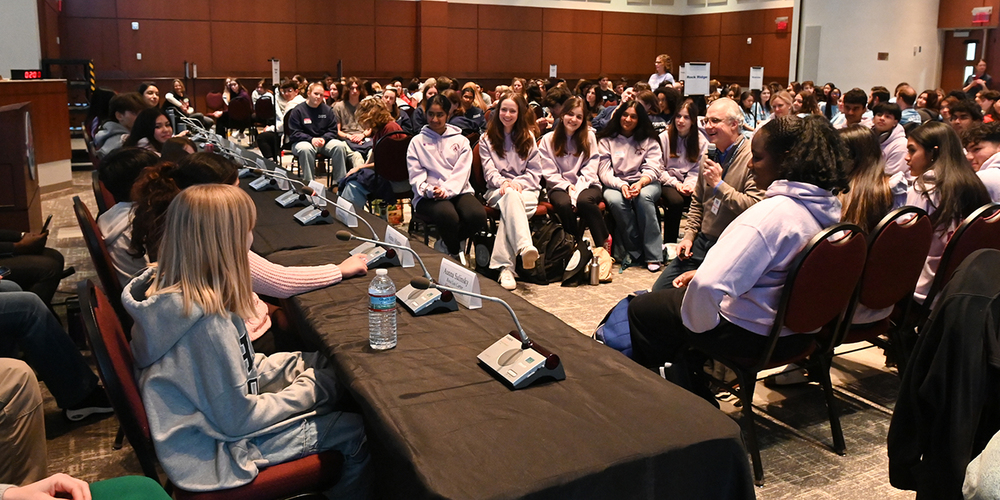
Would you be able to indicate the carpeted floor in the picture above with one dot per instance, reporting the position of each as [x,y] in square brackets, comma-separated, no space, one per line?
[793,428]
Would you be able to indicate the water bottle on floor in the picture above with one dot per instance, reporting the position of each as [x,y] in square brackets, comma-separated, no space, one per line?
[381,312]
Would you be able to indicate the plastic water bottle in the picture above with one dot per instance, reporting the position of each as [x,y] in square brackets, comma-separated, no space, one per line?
[381,312]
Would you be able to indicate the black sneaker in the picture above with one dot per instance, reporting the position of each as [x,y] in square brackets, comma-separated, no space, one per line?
[95,402]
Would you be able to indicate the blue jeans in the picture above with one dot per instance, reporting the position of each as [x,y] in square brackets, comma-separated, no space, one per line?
[636,218]
[355,193]
[27,324]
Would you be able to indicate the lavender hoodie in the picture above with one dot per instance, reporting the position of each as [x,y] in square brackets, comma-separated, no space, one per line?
[743,274]
[679,170]
[624,162]
[444,161]
[571,169]
[527,172]
[894,151]
[989,173]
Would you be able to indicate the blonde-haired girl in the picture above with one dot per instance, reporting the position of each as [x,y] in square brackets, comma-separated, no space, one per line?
[218,412]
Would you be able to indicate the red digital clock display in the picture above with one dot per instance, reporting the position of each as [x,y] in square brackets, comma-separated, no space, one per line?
[25,74]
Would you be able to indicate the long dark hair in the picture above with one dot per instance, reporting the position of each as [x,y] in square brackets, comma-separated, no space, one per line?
[810,151]
[159,185]
[521,132]
[959,189]
[692,147]
[643,130]
[144,127]
[579,137]
[870,197]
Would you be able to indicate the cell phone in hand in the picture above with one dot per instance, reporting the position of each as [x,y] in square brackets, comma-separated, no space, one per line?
[45,227]
[4,272]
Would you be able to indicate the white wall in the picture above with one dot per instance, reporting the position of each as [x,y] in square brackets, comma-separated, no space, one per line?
[853,32]
[19,36]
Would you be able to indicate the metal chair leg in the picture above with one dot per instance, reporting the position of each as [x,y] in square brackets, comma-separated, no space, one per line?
[119,438]
[747,385]
[839,446]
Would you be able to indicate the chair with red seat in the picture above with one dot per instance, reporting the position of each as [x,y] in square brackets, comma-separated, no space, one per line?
[981,229]
[817,292]
[240,114]
[311,474]
[102,196]
[103,264]
[215,102]
[897,249]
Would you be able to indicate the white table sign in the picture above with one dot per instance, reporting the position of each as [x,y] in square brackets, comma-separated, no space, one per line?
[456,276]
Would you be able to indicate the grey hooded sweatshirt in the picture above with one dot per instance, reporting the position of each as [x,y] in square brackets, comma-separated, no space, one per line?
[206,392]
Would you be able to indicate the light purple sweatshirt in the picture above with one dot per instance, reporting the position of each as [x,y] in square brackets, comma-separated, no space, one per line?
[679,170]
[571,169]
[989,173]
[624,162]
[894,151]
[929,200]
[743,274]
[443,161]
[527,172]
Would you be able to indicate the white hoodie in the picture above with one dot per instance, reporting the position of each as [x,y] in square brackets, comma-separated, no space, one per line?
[623,161]
[443,161]
[929,201]
[527,172]
[679,170]
[743,275]
[989,173]
[894,151]
[116,227]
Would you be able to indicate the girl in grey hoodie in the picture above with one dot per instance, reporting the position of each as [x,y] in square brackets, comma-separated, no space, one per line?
[218,412]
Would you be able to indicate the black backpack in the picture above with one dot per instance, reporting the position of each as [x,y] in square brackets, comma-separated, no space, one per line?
[555,247]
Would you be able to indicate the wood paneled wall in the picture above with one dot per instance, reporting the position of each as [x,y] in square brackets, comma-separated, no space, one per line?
[382,38]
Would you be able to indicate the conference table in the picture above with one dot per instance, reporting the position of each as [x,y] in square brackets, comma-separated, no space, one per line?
[441,426]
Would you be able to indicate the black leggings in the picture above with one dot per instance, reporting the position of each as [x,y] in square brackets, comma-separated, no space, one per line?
[587,207]
[659,335]
[269,144]
[457,218]
[675,205]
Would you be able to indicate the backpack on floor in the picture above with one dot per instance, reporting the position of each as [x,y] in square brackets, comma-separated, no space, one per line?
[613,329]
[555,247]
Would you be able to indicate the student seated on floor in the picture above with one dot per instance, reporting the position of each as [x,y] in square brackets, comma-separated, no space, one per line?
[731,300]
[219,412]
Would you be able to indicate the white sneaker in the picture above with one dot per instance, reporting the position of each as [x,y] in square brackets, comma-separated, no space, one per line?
[529,256]
[507,279]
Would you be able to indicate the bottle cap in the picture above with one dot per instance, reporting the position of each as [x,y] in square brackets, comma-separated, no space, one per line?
[381,272]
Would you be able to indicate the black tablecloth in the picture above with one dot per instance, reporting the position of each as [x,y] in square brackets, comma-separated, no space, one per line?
[443,427]
[449,429]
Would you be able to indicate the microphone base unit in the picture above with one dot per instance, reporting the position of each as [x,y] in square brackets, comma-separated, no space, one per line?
[311,216]
[519,367]
[263,183]
[292,198]
[424,302]
[377,256]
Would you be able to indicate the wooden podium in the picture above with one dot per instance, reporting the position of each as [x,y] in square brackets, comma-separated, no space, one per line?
[20,198]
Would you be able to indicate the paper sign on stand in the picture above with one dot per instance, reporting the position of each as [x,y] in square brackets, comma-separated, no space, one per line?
[756,78]
[320,190]
[345,213]
[553,70]
[397,238]
[696,78]
[275,72]
[456,276]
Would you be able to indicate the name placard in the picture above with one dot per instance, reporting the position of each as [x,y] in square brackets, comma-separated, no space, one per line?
[345,213]
[282,183]
[320,190]
[456,276]
[398,238]
[696,78]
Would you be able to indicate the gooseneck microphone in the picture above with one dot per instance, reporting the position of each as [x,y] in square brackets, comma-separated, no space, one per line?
[422,283]
[312,192]
[418,302]
[517,362]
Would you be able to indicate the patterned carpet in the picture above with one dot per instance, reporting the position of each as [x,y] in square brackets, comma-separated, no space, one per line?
[793,428]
